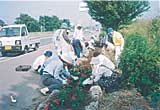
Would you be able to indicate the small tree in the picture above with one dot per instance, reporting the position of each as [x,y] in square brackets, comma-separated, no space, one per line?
[116,13]
[49,23]
[31,23]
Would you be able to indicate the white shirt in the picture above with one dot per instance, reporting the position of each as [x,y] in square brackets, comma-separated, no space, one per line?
[39,62]
[78,34]
[60,44]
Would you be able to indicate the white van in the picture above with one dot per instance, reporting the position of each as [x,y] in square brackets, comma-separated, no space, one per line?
[14,38]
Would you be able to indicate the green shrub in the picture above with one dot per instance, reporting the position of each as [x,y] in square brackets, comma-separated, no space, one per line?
[140,65]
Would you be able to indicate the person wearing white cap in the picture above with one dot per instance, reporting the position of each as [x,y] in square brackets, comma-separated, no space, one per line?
[61,40]
[56,73]
[101,66]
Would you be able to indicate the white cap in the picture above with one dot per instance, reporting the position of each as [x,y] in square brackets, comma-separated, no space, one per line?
[79,25]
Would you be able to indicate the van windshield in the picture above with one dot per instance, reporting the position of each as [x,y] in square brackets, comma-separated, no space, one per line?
[10,32]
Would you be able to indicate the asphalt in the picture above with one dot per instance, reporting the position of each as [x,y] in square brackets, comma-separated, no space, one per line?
[24,86]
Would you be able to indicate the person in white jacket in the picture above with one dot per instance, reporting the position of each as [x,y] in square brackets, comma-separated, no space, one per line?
[38,64]
[101,66]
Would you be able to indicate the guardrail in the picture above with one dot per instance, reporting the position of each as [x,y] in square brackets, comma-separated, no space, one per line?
[40,34]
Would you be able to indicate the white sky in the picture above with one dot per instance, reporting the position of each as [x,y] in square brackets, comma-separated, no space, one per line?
[9,10]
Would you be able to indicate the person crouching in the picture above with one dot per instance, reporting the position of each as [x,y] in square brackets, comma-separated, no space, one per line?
[56,74]
[39,63]
[101,66]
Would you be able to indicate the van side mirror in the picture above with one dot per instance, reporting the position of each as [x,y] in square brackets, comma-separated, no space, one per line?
[67,33]
[23,34]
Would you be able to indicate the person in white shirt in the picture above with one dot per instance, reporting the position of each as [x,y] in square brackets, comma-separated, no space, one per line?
[38,64]
[78,32]
[56,73]
[61,40]
[101,66]
[78,40]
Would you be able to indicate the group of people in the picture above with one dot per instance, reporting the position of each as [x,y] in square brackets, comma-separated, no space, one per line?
[55,72]
[63,44]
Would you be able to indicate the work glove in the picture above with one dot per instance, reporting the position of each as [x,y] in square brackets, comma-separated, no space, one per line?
[87,81]
[64,81]
[75,77]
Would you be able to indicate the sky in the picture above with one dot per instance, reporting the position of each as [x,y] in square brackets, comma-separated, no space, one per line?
[68,9]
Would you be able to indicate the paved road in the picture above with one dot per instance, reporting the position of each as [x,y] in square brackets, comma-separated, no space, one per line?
[25,85]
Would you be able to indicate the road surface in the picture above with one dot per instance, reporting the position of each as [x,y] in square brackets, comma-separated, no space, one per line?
[24,85]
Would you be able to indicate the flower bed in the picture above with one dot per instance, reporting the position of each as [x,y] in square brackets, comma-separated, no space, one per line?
[73,95]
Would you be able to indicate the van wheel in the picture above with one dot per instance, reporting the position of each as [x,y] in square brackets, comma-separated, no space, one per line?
[36,47]
[25,50]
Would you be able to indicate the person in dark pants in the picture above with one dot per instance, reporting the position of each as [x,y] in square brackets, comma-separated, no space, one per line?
[78,40]
[77,47]
[56,73]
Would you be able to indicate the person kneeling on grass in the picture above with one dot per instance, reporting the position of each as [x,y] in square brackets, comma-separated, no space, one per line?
[56,73]
[101,66]
[39,63]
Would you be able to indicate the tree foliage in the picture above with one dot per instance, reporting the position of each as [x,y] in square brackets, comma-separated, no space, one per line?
[45,23]
[31,23]
[116,13]
[49,23]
